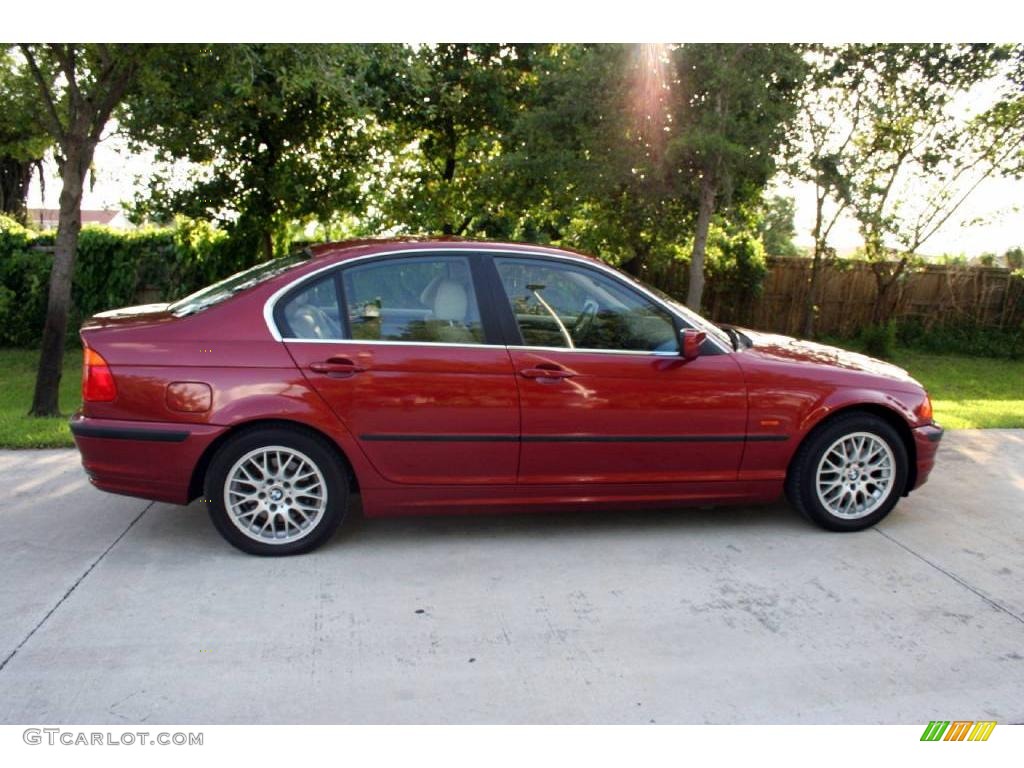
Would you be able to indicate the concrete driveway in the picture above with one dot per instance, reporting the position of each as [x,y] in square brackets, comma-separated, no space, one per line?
[113,610]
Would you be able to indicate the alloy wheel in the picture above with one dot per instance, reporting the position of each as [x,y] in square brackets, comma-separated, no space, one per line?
[275,494]
[856,475]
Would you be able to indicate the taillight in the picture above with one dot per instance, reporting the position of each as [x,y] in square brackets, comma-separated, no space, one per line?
[97,379]
[924,410]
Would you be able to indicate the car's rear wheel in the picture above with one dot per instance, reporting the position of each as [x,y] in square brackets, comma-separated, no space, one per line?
[276,491]
[849,473]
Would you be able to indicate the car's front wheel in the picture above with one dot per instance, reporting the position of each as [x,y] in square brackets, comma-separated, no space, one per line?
[849,473]
[276,491]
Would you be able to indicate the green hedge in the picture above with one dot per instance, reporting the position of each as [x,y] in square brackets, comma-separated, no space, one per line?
[962,338]
[116,269]
[113,269]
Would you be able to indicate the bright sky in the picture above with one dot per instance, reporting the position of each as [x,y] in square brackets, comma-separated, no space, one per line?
[998,202]
[991,220]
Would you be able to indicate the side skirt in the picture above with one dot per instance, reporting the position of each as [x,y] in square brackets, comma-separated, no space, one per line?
[491,500]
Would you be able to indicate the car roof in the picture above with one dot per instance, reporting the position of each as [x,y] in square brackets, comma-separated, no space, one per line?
[349,249]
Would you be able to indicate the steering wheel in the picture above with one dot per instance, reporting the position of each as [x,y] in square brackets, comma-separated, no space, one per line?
[585,320]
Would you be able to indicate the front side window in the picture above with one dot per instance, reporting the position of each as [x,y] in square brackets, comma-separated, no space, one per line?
[563,305]
[427,299]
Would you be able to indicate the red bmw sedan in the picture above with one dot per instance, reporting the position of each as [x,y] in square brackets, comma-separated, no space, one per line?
[456,376]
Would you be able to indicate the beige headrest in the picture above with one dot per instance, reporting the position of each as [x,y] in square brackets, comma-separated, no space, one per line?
[450,302]
[428,294]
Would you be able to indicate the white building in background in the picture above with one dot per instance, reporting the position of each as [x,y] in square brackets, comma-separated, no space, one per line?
[46,218]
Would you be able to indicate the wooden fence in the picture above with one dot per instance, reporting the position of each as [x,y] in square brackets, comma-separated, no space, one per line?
[933,295]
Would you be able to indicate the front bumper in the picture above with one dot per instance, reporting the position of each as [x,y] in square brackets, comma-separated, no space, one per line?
[152,460]
[926,440]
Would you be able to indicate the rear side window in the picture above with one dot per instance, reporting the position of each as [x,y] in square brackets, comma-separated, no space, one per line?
[427,299]
[312,312]
[240,281]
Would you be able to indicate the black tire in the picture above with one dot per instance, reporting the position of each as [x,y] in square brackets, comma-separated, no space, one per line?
[801,488]
[316,450]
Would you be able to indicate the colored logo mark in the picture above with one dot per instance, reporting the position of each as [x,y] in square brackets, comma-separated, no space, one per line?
[958,730]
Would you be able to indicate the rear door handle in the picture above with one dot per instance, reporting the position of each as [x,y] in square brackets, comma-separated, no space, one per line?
[546,371]
[338,367]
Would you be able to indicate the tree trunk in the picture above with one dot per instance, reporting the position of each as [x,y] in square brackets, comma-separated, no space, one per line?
[448,228]
[881,297]
[811,300]
[51,358]
[267,244]
[633,265]
[886,284]
[705,209]
[15,176]
[76,137]
[637,263]
[882,311]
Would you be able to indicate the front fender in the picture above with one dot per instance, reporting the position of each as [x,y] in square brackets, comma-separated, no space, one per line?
[842,398]
[797,416]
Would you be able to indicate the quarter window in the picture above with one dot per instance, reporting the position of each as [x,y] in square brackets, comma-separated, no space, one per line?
[426,299]
[312,312]
[562,305]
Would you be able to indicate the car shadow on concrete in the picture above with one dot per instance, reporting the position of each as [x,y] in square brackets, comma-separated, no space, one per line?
[190,528]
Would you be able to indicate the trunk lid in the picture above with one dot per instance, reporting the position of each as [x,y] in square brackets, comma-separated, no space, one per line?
[142,314]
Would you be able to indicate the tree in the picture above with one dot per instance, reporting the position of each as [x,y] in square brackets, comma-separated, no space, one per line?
[915,135]
[80,85]
[823,152]
[275,134]
[1009,109]
[444,113]
[585,165]
[732,109]
[776,226]
[24,138]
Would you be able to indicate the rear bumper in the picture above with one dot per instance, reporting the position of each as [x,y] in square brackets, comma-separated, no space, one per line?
[926,439]
[152,460]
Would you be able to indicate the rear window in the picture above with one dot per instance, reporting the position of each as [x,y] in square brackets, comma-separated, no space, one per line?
[240,281]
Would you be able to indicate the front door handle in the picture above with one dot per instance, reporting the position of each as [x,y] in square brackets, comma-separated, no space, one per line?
[547,371]
[337,367]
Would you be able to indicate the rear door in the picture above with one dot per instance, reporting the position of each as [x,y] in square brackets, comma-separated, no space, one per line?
[403,352]
[605,395]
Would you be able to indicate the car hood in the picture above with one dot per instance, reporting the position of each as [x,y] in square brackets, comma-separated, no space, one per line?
[775,347]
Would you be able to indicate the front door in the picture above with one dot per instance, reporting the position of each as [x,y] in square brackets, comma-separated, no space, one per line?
[399,349]
[605,395]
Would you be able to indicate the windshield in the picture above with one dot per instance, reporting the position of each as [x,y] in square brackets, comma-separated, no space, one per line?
[229,286]
[690,316]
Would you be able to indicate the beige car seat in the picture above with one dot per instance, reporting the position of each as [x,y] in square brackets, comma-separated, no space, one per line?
[450,306]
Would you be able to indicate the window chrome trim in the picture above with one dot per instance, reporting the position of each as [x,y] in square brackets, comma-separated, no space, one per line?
[271,302]
[516,347]
[645,353]
[393,343]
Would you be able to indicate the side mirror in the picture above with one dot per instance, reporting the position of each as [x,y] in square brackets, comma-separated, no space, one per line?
[692,339]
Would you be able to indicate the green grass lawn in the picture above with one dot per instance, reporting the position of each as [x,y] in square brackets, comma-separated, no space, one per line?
[17,380]
[967,392]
